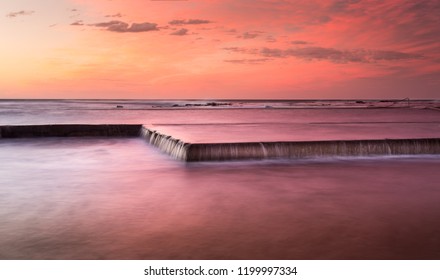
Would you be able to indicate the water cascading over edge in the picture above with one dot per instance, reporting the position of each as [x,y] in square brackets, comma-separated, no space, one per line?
[231,151]
[174,147]
[300,149]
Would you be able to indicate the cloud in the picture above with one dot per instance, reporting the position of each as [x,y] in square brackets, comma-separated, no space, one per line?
[77,23]
[249,35]
[242,50]
[415,22]
[122,27]
[342,6]
[142,27]
[323,19]
[247,61]
[109,23]
[339,56]
[273,52]
[299,42]
[323,12]
[118,15]
[330,54]
[270,39]
[180,32]
[189,21]
[20,13]
[392,55]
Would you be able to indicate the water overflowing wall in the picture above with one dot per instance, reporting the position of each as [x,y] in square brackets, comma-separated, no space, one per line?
[305,149]
[174,147]
[210,152]
[69,130]
[231,151]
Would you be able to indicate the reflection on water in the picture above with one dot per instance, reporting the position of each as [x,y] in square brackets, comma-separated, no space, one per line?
[122,199]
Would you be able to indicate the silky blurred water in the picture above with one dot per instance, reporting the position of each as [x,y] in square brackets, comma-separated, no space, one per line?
[122,199]
[116,198]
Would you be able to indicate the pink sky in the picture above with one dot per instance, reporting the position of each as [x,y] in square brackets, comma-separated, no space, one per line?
[220,49]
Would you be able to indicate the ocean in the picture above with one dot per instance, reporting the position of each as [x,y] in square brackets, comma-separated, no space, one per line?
[121,198]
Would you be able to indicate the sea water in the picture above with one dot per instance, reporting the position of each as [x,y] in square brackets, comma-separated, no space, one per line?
[119,198]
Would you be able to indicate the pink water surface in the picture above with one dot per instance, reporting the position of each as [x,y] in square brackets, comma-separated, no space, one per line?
[123,199]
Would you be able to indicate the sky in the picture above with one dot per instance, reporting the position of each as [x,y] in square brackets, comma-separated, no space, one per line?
[220,49]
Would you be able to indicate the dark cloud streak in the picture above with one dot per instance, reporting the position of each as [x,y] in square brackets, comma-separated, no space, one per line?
[77,23]
[180,32]
[329,54]
[339,56]
[299,42]
[118,15]
[249,35]
[189,21]
[342,6]
[20,13]
[242,50]
[247,61]
[123,27]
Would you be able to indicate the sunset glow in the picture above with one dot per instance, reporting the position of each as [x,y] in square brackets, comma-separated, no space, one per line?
[220,49]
